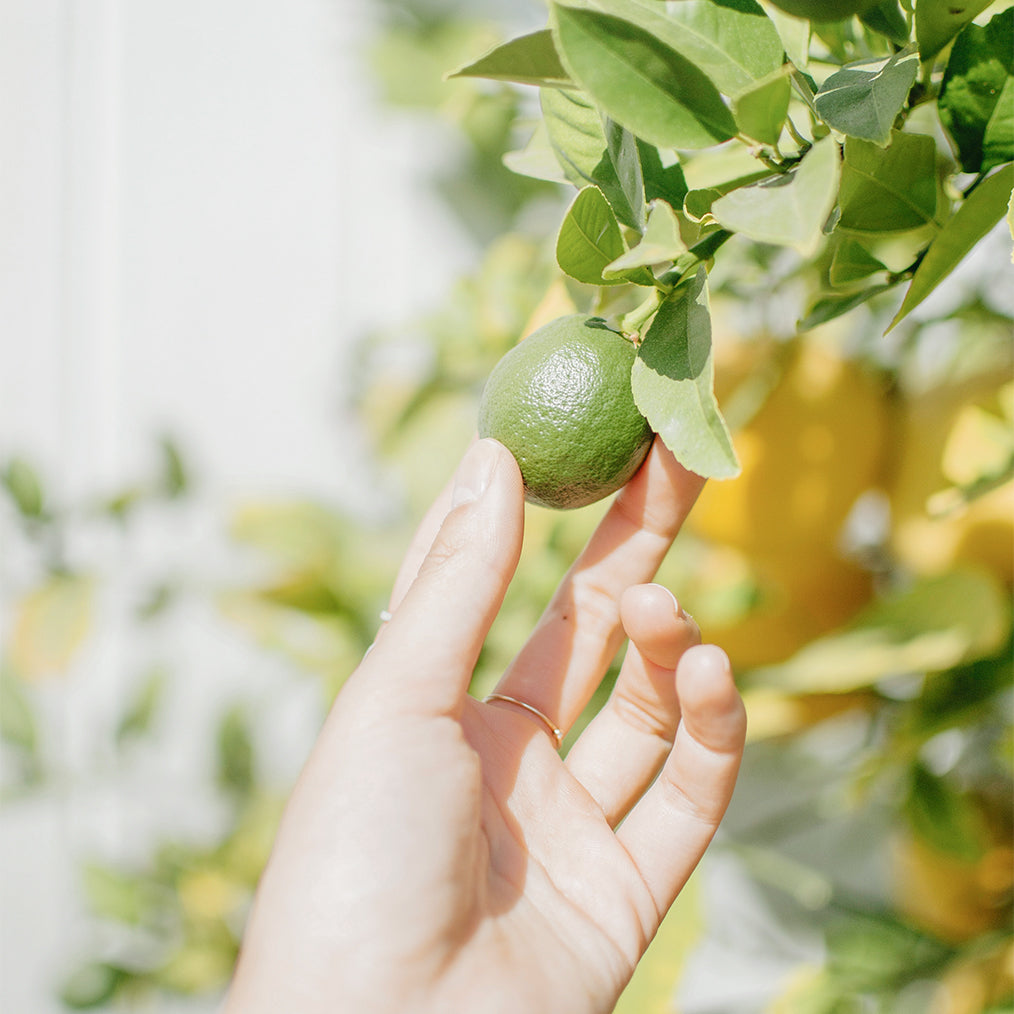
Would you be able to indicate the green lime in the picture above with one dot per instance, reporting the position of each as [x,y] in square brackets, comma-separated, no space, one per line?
[560,401]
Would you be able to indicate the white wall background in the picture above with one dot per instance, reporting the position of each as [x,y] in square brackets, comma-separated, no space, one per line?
[200,205]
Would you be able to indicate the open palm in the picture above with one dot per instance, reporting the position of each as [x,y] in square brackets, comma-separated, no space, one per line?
[438,854]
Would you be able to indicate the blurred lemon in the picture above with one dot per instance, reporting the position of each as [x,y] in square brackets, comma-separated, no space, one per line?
[815,443]
[947,439]
[762,610]
[952,897]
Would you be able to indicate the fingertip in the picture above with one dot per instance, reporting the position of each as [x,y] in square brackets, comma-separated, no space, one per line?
[712,706]
[654,620]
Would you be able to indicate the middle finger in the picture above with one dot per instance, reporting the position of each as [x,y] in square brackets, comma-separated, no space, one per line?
[577,636]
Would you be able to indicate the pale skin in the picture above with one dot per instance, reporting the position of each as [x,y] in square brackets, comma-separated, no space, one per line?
[438,855]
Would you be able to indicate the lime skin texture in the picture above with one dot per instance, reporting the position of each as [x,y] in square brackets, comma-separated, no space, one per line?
[560,401]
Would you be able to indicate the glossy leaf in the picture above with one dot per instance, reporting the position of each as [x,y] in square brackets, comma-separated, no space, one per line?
[530,60]
[938,21]
[787,210]
[888,190]
[977,95]
[673,383]
[863,99]
[984,207]
[641,83]
[578,138]
[590,240]
[537,159]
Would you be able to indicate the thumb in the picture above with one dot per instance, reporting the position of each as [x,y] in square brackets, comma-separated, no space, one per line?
[426,653]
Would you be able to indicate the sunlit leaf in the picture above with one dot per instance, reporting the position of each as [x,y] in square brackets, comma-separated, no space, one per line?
[976,101]
[827,308]
[673,383]
[761,109]
[661,242]
[940,622]
[788,210]
[590,240]
[625,156]
[863,99]
[537,158]
[530,59]
[983,208]
[93,985]
[888,190]
[641,83]
[51,625]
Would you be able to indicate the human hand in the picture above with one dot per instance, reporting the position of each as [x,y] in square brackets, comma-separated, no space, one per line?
[437,854]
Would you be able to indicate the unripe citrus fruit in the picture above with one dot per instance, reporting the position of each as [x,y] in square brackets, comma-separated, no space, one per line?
[560,401]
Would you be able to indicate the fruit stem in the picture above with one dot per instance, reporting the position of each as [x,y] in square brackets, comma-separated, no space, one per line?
[632,323]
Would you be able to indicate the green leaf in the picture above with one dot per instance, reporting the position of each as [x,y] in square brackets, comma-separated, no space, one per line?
[51,625]
[537,159]
[22,483]
[944,818]
[788,210]
[889,20]
[653,91]
[938,21]
[626,159]
[175,479]
[661,242]
[830,307]
[761,110]
[578,137]
[17,718]
[662,181]
[983,208]
[140,712]
[733,43]
[888,190]
[673,383]
[863,99]
[590,240]
[852,262]
[530,60]
[92,985]
[976,101]
[938,623]
[235,752]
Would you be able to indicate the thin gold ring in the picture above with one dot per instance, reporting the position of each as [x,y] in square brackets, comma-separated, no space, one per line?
[556,733]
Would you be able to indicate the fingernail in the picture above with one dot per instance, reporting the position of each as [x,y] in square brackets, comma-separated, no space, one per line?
[474,473]
[676,608]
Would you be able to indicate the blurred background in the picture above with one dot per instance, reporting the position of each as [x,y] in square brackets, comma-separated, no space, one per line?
[257,259]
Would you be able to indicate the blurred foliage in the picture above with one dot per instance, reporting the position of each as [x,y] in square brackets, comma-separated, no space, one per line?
[859,573]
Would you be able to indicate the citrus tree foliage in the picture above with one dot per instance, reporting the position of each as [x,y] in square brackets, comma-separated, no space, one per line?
[684,124]
[799,221]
